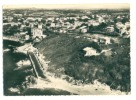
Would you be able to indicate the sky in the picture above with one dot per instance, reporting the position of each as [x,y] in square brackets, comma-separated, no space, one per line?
[72,6]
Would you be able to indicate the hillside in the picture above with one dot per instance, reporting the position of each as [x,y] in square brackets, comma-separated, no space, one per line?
[66,56]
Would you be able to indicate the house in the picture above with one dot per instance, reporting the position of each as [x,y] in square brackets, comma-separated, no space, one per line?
[119,25]
[39,19]
[62,31]
[40,26]
[100,19]
[10,19]
[96,23]
[50,19]
[27,37]
[93,16]
[110,29]
[18,15]
[31,19]
[57,19]
[77,23]
[22,36]
[83,29]
[107,52]
[95,40]
[127,25]
[91,51]
[23,33]
[52,25]
[58,25]
[84,17]
[93,22]
[105,40]
[22,26]
[31,25]
[119,17]
[124,31]
[37,31]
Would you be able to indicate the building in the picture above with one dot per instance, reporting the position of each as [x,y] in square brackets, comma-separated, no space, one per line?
[91,51]
[83,29]
[119,25]
[110,29]
[10,19]
[18,15]
[37,31]
[105,40]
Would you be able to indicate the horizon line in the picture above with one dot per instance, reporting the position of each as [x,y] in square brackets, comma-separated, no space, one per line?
[69,6]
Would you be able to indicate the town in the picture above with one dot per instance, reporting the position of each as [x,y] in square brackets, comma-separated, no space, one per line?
[31,25]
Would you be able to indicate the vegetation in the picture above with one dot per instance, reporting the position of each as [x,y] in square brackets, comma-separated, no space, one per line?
[67,57]
[21,78]
[10,30]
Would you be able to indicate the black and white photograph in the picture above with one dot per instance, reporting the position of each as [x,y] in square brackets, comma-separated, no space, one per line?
[66,49]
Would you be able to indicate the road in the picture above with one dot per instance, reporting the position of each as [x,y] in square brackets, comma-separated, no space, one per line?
[36,65]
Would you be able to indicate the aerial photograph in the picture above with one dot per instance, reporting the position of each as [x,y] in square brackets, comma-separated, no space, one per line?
[66,49]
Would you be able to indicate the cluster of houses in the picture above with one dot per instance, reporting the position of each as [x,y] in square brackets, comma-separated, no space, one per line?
[26,29]
[123,28]
[81,24]
[64,24]
[73,24]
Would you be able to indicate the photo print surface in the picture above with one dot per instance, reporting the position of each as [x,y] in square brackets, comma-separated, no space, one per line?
[66,49]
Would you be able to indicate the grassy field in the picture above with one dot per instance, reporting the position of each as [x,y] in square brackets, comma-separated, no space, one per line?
[67,57]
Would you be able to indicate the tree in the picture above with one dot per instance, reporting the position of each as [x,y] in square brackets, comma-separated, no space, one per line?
[27,29]
[5,21]
[43,21]
[102,26]
[14,29]
[10,30]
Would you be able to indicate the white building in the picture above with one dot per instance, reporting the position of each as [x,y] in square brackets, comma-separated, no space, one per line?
[10,19]
[127,24]
[91,51]
[18,15]
[119,25]
[100,19]
[37,32]
[40,26]
[105,40]
[110,29]
[52,25]
[93,22]
[30,19]
[83,29]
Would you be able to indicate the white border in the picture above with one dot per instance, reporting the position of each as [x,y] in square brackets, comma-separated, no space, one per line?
[133,47]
